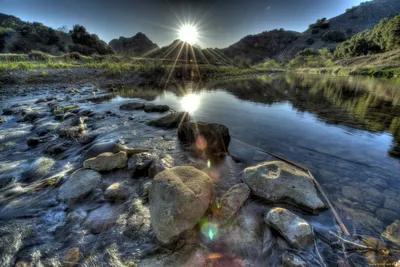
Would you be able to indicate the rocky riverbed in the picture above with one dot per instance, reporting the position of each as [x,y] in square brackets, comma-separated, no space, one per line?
[89,182]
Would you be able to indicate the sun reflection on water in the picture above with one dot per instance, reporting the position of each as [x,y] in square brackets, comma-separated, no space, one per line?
[190,103]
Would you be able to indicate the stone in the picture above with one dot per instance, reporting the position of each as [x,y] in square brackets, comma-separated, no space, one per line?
[160,165]
[212,138]
[22,264]
[39,169]
[115,192]
[170,121]
[55,148]
[392,201]
[103,218]
[293,228]
[155,108]
[292,260]
[277,181]
[71,258]
[30,116]
[79,184]
[392,232]
[178,197]
[33,141]
[139,222]
[73,131]
[140,164]
[129,151]
[107,161]
[386,215]
[232,201]
[132,106]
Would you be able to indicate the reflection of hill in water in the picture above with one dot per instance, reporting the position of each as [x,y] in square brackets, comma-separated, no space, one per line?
[359,103]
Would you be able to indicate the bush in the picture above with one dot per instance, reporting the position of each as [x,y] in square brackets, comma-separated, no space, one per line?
[310,41]
[314,31]
[334,36]
[88,44]
[320,24]
[73,55]
[37,55]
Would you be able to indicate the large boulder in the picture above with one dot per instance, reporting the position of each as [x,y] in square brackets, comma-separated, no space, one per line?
[170,121]
[79,184]
[212,138]
[277,181]
[178,197]
[293,228]
[232,201]
[107,161]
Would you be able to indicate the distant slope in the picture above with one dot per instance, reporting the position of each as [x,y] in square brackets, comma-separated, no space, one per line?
[17,36]
[280,45]
[138,45]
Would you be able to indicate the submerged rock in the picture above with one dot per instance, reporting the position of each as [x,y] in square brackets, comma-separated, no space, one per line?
[170,121]
[155,108]
[292,260]
[33,141]
[160,165]
[79,184]
[132,106]
[212,138]
[179,197]
[30,116]
[277,181]
[71,258]
[392,232]
[107,161]
[232,201]
[293,228]
[103,218]
[115,192]
[140,164]
[39,169]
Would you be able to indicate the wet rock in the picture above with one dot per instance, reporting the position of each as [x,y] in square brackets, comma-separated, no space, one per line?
[212,138]
[100,148]
[129,151]
[156,108]
[386,215]
[232,201]
[160,165]
[79,184]
[55,148]
[71,258]
[22,264]
[140,164]
[73,131]
[56,110]
[7,111]
[179,197]
[30,116]
[277,181]
[107,161]
[115,192]
[392,201]
[392,232]
[138,223]
[45,128]
[145,189]
[47,99]
[39,169]
[132,106]
[170,121]
[33,141]
[292,260]
[293,228]
[103,218]
[2,120]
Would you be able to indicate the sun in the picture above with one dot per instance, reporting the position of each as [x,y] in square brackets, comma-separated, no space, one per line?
[188,33]
[190,103]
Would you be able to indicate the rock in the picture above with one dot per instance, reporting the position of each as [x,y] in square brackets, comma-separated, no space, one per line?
[392,201]
[386,215]
[139,223]
[100,148]
[55,148]
[129,151]
[71,258]
[293,228]
[277,181]
[232,201]
[103,218]
[45,128]
[116,192]
[22,264]
[7,111]
[212,138]
[33,141]
[30,116]
[140,163]
[160,165]
[392,232]
[292,260]
[132,106]
[155,108]
[72,132]
[39,169]
[179,197]
[2,120]
[79,184]
[170,121]
[107,161]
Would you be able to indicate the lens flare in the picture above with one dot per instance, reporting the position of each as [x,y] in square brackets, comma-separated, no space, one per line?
[190,103]
[188,33]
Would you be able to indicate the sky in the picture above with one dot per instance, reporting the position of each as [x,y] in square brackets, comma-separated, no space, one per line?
[220,23]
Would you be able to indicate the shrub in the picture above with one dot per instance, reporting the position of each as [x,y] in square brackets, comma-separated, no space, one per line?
[314,31]
[88,44]
[321,24]
[73,55]
[334,36]
[37,55]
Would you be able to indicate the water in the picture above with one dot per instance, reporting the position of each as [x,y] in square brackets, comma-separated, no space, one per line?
[345,130]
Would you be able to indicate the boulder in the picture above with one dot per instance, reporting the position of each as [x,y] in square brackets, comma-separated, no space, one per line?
[79,184]
[107,161]
[212,138]
[292,260]
[392,232]
[178,197]
[155,108]
[115,192]
[277,181]
[170,121]
[132,106]
[103,218]
[232,201]
[293,228]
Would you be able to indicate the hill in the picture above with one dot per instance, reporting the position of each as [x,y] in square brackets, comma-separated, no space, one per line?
[17,36]
[138,45]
